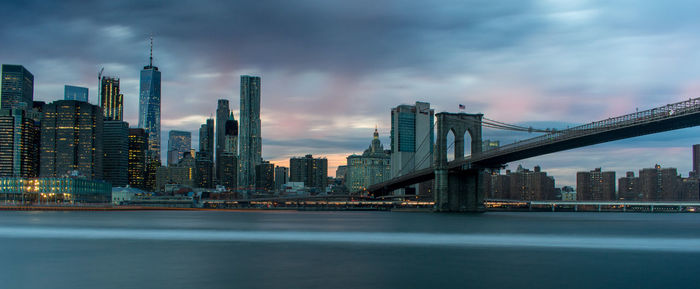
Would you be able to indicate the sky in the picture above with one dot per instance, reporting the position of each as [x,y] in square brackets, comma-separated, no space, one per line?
[332,70]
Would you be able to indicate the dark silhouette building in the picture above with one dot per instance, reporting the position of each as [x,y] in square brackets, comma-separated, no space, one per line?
[19,144]
[116,152]
[16,87]
[138,145]
[595,185]
[71,139]
[111,100]
[222,115]
[313,172]
[250,134]
[205,156]
[265,176]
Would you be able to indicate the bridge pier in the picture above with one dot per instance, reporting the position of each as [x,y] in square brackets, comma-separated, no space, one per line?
[459,191]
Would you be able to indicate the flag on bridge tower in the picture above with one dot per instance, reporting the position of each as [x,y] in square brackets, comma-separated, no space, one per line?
[462,107]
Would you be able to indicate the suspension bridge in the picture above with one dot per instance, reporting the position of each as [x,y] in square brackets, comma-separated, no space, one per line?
[456,185]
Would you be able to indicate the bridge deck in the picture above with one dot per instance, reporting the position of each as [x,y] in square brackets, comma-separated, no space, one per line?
[669,117]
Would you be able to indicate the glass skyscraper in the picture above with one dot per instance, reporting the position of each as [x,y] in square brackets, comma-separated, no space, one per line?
[412,139]
[149,106]
[75,93]
[179,142]
[111,100]
[17,87]
[250,139]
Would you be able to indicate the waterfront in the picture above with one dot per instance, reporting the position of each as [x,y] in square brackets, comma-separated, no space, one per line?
[273,249]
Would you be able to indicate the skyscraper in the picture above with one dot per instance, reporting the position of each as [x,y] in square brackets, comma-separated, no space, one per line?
[250,138]
[111,100]
[696,160]
[312,171]
[149,106]
[179,142]
[204,159]
[19,144]
[16,87]
[412,139]
[222,115]
[265,176]
[116,152]
[75,93]
[281,176]
[71,139]
[229,157]
[138,145]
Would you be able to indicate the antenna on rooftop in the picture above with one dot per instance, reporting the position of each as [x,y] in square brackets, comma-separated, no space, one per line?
[150,62]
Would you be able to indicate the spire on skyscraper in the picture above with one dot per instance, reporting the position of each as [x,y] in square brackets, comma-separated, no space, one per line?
[150,58]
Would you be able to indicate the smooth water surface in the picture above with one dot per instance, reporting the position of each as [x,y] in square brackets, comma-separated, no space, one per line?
[289,249]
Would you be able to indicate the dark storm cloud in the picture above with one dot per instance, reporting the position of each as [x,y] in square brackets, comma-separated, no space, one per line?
[333,69]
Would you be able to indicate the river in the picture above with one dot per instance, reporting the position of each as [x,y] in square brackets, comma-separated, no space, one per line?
[289,249]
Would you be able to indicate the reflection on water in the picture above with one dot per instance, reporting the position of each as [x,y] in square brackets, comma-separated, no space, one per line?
[347,250]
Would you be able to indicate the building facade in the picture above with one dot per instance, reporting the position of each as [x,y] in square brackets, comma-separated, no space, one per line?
[521,184]
[179,142]
[265,177]
[56,190]
[205,156]
[116,152]
[628,188]
[412,139]
[16,87]
[71,139]
[250,133]
[111,100]
[149,106]
[138,145]
[75,93]
[373,166]
[19,144]
[313,172]
[222,115]
[281,177]
[595,185]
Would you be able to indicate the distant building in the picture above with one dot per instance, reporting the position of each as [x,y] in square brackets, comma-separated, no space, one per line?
[281,177]
[696,160]
[229,156]
[522,184]
[313,172]
[75,93]
[57,189]
[19,144]
[71,139]
[179,142]
[595,185]
[149,108]
[341,172]
[568,193]
[222,116]
[173,175]
[138,145]
[664,184]
[488,145]
[205,156]
[265,176]
[111,100]
[116,152]
[250,132]
[412,139]
[373,166]
[16,87]
[628,188]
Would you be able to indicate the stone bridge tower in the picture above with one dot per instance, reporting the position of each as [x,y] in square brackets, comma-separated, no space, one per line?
[459,189]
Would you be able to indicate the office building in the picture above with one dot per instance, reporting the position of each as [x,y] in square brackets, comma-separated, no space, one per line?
[111,100]
[138,145]
[628,188]
[68,189]
[205,156]
[149,106]
[179,142]
[250,134]
[595,185]
[75,93]
[313,172]
[281,177]
[116,152]
[265,177]
[696,160]
[19,144]
[229,156]
[222,116]
[373,166]
[71,139]
[412,139]
[16,87]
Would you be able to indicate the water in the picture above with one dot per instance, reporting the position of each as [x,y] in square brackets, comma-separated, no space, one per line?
[287,249]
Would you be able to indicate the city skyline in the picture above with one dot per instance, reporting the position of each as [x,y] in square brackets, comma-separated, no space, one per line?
[546,74]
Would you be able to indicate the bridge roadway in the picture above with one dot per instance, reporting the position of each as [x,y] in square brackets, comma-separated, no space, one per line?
[669,117]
